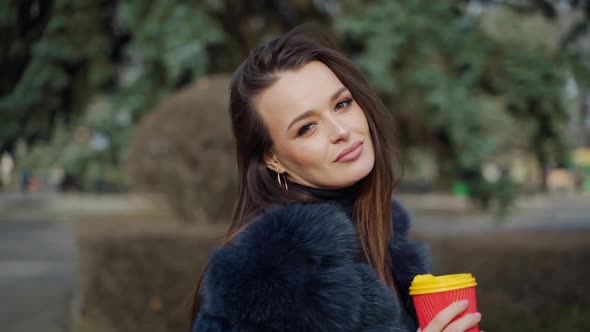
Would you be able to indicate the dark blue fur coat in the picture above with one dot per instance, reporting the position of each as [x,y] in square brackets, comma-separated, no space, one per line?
[295,269]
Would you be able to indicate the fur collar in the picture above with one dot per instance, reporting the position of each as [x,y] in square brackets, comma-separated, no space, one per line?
[293,269]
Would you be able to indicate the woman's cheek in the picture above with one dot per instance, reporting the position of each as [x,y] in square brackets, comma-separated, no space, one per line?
[310,153]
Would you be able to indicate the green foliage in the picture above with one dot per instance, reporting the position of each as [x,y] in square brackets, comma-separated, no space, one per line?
[434,63]
[47,62]
[175,37]
[575,53]
[75,81]
[469,87]
[167,42]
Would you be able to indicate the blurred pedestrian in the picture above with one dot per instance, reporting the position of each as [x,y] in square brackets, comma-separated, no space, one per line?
[24,180]
[6,168]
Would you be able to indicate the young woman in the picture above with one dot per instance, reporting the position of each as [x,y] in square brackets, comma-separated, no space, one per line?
[316,242]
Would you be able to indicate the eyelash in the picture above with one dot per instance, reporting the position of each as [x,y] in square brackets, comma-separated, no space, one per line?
[303,130]
[348,101]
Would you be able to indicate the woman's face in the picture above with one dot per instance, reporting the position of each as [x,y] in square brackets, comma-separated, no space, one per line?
[320,134]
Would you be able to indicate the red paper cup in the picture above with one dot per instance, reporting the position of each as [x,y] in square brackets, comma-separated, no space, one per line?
[432,294]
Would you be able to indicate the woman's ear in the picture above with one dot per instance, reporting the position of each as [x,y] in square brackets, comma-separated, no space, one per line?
[271,161]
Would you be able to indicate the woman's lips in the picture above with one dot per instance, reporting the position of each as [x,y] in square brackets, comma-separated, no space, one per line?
[350,153]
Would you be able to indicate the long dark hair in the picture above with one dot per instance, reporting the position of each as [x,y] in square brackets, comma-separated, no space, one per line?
[258,188]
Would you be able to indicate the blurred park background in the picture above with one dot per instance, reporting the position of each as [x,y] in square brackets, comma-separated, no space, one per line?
[117,164]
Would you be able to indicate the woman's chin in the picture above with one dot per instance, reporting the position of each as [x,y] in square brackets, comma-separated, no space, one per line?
[356,173]
[361,169]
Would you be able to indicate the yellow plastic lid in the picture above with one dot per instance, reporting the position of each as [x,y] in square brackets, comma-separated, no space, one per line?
[427,283]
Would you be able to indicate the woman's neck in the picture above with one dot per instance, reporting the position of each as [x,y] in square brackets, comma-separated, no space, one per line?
[348,192]
[344,197]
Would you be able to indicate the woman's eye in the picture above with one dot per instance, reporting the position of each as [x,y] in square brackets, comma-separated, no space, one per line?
[303,130]
[344,103]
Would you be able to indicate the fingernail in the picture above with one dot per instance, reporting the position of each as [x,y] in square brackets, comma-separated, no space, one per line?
[477,315]
[464,303]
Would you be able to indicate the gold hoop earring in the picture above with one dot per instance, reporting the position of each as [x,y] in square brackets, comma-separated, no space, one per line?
[283,184]
[285,180]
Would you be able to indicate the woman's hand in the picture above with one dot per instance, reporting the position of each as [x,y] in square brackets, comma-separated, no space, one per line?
[440,323]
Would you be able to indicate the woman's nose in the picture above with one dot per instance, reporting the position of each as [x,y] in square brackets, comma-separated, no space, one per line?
[339,131]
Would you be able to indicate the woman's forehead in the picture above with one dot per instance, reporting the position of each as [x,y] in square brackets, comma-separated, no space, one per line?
[308,88]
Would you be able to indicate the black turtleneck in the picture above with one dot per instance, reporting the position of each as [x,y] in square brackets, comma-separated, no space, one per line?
[344,197]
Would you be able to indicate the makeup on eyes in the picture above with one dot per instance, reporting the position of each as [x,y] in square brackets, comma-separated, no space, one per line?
[347,100]
[301,131]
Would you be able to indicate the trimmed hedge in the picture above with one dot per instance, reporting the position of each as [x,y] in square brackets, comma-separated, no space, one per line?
[527,281]
[140,277]
[184,150]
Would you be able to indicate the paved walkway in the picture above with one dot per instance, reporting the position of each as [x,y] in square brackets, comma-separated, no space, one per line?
[38,262]
[37,276]
[543,213]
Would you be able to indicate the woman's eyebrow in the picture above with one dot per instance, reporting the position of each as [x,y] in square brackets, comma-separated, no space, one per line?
[310,112]
[337,93]
[300,117]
